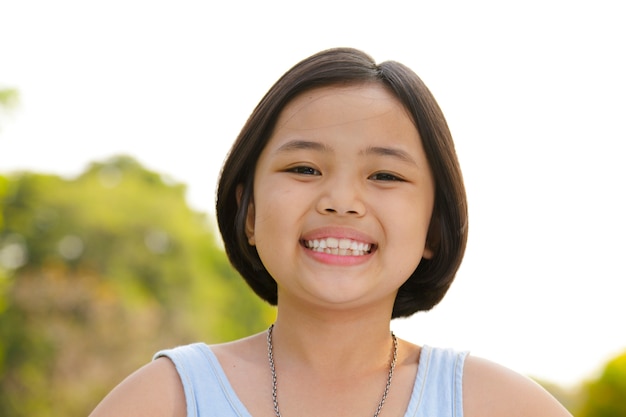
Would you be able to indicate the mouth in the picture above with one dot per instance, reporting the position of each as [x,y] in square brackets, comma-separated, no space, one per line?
[339,246]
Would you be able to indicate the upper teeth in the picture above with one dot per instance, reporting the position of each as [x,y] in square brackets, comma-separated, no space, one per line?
[336,246]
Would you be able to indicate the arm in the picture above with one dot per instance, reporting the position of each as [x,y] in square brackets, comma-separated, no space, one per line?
[492,390]
[154,390]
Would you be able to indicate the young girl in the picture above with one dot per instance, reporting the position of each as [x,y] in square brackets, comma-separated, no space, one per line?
[342,203]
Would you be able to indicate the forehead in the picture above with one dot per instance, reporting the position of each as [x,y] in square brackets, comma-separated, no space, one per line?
[336,105]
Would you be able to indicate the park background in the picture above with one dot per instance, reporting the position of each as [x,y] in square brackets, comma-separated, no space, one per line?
[154,92]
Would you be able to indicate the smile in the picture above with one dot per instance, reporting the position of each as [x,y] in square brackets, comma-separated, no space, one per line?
[335,246]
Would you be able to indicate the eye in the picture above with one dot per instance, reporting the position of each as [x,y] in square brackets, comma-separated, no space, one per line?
[384,176]
[304,170]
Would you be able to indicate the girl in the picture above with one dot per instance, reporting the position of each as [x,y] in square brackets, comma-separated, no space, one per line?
[341,202]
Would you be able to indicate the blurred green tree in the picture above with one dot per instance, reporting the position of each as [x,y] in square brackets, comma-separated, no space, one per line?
[99,272]
[606,395]
[9,99]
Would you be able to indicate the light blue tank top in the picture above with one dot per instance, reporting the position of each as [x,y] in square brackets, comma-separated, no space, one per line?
[437,391]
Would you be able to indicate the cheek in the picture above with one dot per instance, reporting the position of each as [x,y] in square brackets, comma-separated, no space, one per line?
[276,201]
[409,224]
[267,241]
[274,224]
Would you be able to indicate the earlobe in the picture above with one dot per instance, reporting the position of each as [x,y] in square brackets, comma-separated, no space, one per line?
[433,239]
[249,216]
[250,224]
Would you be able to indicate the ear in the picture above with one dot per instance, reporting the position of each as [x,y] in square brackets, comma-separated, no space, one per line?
[250,224]
[428,252]
[433,239]
[249,216]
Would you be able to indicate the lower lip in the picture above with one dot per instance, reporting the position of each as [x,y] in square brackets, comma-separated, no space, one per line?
[343,260]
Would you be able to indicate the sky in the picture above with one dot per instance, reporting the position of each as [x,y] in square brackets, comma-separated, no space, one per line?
[534,93]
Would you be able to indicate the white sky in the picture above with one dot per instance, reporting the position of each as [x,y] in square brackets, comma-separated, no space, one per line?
[534,93]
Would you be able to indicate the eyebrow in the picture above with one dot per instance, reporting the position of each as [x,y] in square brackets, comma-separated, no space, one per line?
[391,152]
[295,145]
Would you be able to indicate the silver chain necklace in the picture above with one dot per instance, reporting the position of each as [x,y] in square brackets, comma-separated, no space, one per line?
[270,355]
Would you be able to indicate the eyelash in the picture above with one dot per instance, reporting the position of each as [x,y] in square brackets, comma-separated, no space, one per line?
[304,170]
[379,176]
[385,176]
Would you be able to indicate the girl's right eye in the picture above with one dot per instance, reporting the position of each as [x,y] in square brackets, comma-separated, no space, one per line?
[304,170]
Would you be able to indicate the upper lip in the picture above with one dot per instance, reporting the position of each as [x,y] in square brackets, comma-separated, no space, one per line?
[338,232]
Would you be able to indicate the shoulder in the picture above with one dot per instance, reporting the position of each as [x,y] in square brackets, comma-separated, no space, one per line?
[154,390]
[490,389]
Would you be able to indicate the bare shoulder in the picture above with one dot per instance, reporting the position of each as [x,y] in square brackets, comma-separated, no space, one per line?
[154,390]
[490,389]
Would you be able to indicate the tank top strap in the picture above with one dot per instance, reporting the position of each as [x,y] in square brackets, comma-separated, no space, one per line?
[207,389]
[438,389]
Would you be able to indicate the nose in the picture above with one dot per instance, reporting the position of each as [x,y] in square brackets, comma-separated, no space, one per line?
[341,197]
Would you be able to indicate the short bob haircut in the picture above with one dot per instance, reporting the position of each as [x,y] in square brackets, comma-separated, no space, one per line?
[447,235]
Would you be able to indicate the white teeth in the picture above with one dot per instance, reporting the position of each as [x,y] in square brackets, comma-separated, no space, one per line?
[343,247]
[345,244]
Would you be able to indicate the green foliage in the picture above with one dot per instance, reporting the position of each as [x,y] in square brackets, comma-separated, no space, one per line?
[99,272]
[9,97]
[606,396]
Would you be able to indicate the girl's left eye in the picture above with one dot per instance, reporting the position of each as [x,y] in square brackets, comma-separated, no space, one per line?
[384,176]
[304,170]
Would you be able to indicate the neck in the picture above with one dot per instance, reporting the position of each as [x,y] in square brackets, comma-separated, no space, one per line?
[349,342]
[270,349]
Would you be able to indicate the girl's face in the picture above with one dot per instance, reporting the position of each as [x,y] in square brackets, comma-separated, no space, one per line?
[343,197]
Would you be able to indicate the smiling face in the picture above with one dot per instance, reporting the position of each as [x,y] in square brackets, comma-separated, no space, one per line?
[343,197]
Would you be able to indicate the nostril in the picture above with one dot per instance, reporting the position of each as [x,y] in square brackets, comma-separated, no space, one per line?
[332,210]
